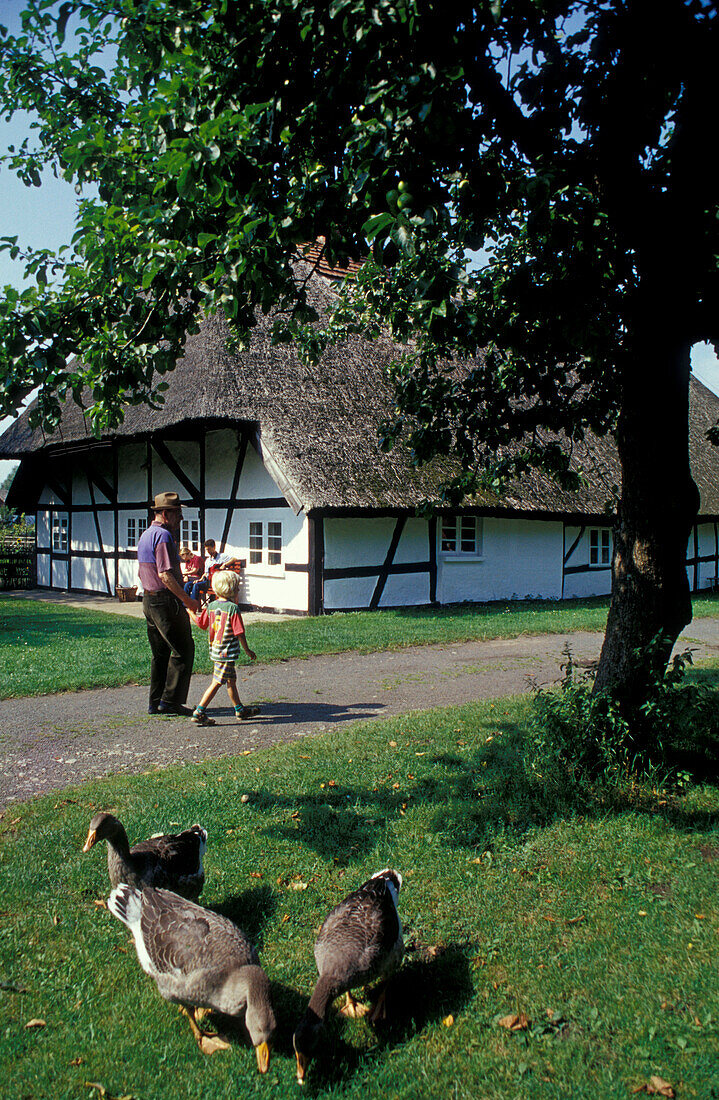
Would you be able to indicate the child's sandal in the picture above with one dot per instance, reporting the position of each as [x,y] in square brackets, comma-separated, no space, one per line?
[202,719]
[247,712]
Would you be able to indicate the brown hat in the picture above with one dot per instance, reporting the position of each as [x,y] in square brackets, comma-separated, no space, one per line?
[166,501]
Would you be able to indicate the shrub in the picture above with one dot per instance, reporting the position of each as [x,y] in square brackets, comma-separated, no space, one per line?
[580,737]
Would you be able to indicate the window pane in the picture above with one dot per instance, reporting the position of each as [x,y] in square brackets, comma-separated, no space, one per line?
[131,532]
[606,547]
[274,543]
[255,543]
[468,543]
[449,534]
[594,546]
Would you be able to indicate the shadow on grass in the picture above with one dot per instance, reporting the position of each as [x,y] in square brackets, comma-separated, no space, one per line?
[423,991]
[251,910]
[474,797]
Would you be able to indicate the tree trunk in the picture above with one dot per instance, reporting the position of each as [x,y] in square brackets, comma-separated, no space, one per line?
[658,507]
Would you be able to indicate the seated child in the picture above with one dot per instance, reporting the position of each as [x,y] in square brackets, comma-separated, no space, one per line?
[226,633]
[192,566]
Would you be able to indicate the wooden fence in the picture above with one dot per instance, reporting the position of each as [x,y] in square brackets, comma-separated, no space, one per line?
[18,562]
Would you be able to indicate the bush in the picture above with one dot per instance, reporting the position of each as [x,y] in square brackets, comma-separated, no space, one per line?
[579,737]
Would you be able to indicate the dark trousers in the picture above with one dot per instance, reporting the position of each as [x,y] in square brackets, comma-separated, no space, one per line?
[173,648]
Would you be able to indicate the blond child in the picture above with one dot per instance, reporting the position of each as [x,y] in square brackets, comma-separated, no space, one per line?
[226,633]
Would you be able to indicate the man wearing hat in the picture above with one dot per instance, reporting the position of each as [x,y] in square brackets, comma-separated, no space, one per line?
[163,604]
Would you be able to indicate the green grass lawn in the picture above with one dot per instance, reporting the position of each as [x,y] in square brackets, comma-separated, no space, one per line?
[46,648]
[597,922]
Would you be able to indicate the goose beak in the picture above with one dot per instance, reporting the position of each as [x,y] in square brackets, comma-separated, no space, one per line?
[302,1064]
[262,1050]
[91,840]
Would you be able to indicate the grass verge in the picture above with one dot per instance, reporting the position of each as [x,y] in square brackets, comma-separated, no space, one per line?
[596,921]
[46,648]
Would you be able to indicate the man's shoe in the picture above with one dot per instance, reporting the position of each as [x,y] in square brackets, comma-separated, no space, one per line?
[175,708]
[153,709]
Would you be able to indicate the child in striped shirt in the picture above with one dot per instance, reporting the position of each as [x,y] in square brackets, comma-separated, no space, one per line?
[226,633]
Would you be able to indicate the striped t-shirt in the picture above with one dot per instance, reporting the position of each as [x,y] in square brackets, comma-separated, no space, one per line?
[224,622]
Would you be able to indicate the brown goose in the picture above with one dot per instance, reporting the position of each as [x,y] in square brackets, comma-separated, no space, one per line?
[198,960]
[173,862]
[360,940]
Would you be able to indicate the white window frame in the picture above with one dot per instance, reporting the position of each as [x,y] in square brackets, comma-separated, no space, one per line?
[600,547]
[59,532]
[265,547]
[190,534]
[133,533]
[461,537]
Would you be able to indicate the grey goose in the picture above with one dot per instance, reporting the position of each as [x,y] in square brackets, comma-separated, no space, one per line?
[199,960]
[172,861]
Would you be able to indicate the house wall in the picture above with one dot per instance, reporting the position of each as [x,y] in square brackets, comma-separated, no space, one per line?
[224,484]
[366,562]
[581,577]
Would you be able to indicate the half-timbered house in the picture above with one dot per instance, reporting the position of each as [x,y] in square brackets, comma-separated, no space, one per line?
[280,463]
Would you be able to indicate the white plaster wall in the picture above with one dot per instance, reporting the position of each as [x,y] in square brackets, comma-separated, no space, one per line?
[355,542]
[187,456]
[42,529]
[107,531]
[414,542]
[707,569]
[214,524]
[127,573]
[84,534]
[132,472]
[595,582]
[59,574]
[351,592]
[274,586]
[89,574]
[43,570]
[405,590]
[520,559]
[255,481]
[221,450]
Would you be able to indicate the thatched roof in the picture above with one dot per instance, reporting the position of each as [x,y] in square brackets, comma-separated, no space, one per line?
[319,425]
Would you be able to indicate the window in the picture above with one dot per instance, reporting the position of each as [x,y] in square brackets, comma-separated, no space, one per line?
[135,527]
[273,536]
[256,543]
[600,546]
[190,533]
[274,544]
[461,535]
[60,525]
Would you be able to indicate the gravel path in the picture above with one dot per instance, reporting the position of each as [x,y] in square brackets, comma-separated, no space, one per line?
[50,742]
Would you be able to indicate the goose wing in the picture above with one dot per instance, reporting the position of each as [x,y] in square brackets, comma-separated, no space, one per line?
[359,935]
[172,856]
[181,937]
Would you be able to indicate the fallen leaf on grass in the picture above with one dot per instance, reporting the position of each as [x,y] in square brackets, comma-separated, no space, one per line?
[448,1021]
[255,874]
[104,1094]
[35,1023]
[655,1086]
[297,886]
[285,918]
[100,903]
[393,744]
[517,1021]
[576,920]
[55,919]
[75,1062]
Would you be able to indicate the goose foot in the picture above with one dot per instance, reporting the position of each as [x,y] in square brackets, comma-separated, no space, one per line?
[352,1008]
[208,1044]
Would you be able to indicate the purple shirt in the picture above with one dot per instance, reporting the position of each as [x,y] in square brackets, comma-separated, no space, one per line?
[157,553]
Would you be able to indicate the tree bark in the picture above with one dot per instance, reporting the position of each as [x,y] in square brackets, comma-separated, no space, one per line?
[659,504]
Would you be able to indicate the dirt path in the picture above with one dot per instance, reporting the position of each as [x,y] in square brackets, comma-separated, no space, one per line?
[50,742]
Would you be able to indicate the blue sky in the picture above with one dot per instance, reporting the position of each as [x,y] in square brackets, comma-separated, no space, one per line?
[44,217]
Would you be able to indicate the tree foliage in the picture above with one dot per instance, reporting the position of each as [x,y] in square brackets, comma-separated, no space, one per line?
[564,138]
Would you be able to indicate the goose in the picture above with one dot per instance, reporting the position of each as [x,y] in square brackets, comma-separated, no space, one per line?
[360,940]
[199,960]
[173,862]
